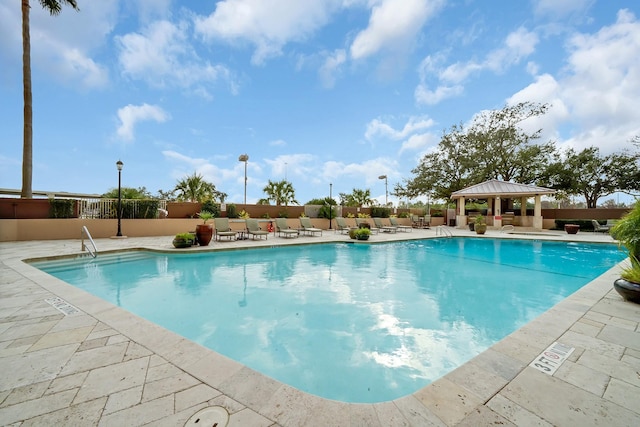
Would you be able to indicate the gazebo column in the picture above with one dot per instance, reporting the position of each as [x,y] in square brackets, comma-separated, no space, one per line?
[497,212]
[524,221]
[461,218]
[537,214]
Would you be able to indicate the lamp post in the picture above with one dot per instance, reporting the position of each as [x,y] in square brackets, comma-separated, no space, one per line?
[119,165]
[386,193]
[330,205]
[244,158]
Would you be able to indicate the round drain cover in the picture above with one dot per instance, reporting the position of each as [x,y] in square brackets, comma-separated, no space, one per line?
[214,416]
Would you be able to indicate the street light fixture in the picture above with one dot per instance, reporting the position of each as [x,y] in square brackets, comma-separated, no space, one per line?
[386,192]
[244,158]
[119,165]
[330,205]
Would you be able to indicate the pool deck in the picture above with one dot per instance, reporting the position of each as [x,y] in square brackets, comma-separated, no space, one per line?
[105,366]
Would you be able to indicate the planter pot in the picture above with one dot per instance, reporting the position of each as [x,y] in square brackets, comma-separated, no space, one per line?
[571,228]
[204,233]
[472,226]
[362,237]
[629,290]
[181,243]
[481,228]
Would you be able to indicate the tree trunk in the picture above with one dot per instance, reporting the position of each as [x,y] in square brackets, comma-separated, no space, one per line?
[27,150]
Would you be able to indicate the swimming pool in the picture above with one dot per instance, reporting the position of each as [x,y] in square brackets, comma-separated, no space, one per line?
[357,323]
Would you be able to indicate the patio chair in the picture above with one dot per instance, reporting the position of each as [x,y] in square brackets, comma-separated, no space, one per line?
[283,230]
[395,223]
[254,229]
[307,227]
[342,226]
[599,228]
[360,221]
[222,229]
[384,228]
[415,221]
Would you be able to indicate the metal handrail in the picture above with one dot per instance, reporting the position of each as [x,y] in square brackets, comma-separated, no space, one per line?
[442,230]
[85,232]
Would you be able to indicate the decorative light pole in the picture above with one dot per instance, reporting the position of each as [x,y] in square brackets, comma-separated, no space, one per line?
[244,158]
[330,205]
[119,164]
[386,192]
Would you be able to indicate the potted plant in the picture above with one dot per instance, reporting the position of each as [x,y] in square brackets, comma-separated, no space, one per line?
[627,232]
[183,240]
[361,233]
[204,231]
[480,225]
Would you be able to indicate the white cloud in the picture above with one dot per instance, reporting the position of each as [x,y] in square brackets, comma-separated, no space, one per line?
[130,115]
[62,45]
[598,91]
[419,142]
[268,25]
[300,165]
[162,56]
[392,25]
[331,67]
[517,46]
[424,95]
[413,135]
[414,124]
[558,9]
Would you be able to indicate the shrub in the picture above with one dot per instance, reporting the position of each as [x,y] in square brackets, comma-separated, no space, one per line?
[359,232]
[213,207]
[61,208]
[380,212]
[323,212]
[232,211]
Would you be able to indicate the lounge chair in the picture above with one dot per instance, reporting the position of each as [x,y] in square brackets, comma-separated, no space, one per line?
[395,223]
[384,228]
[307,227]
[597,227]
[341,225]
[254,229]
[508,218]
[360,221]
[283,230]
[415,221]
[223,230]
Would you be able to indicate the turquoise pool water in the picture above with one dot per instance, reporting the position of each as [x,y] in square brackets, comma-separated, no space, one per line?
[356,323]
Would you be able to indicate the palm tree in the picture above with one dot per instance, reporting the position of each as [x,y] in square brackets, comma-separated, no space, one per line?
[194,188]
[54,7]
[358,198]
[280,192]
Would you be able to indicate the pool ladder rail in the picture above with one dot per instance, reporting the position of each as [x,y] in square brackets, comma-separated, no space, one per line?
[85,233]
[441,230]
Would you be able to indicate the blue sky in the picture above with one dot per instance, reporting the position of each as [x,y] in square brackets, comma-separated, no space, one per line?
[317,91]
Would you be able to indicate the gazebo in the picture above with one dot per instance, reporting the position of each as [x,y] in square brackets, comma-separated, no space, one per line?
[499,195]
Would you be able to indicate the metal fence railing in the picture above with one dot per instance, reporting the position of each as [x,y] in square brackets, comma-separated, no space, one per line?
[131,208]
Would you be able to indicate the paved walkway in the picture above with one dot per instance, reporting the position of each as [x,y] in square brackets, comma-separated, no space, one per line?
[104,366]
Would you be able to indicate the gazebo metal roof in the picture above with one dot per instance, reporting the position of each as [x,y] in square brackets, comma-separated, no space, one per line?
[495,187]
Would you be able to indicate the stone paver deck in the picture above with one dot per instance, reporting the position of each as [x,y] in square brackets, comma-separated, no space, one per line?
[104,366]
